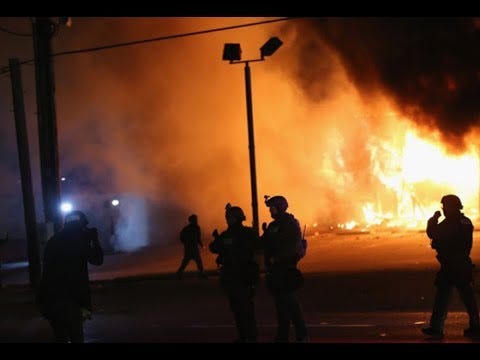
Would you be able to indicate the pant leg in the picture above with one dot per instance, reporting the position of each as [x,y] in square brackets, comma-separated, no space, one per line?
[60,329]
[183,265]
[75,324]
[242,306]
[283,316]
[234,307]
[440,306]
[66,321]
[467,296]
[198,260]
[247,312]
[296,316]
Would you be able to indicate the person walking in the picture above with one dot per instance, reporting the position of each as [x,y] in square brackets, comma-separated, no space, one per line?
[452,240]
[190,236]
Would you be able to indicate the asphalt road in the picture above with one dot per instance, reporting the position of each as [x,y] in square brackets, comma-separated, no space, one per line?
[360,308]
[375,289]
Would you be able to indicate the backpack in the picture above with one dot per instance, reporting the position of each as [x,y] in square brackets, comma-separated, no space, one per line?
[302,246]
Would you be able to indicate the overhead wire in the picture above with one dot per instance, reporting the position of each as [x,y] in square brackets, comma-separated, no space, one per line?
[6,69]
[13,32]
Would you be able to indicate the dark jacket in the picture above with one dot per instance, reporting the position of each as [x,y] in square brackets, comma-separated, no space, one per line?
[190,236]
[65,267]
[236,253]
[452,239]
[281,241]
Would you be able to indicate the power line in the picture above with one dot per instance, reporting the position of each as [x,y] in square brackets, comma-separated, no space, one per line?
[168,37]
[13,32]
[6,69]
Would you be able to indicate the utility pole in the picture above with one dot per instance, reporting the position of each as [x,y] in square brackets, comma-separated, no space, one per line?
[43,30]
[24,162]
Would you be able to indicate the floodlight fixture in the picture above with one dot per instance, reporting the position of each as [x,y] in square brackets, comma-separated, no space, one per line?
[270,46]
[232,52]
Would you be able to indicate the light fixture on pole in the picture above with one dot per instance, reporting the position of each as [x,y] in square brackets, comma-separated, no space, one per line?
[232,53]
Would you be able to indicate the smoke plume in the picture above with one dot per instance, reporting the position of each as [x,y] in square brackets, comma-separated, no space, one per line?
[429,67]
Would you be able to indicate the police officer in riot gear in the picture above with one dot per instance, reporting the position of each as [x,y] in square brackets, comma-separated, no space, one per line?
[281,240]
[452,240]
[239,272]
[64,292]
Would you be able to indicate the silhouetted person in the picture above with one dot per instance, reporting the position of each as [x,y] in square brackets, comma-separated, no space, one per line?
[64,292]
[281,240]
[239,272]
[190,236]
[452,240]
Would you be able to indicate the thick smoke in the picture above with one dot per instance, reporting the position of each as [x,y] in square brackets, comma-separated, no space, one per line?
[164,123]
[430,67]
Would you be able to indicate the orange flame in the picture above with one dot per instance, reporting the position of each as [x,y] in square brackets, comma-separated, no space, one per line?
[417,172]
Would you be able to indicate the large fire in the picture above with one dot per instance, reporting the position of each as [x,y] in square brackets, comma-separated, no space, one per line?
[412,174]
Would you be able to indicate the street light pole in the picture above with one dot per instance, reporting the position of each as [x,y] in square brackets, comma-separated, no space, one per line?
[251,148]
[232,53]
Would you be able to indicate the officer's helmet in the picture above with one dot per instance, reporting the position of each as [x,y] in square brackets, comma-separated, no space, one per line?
[234,211]
[76,217]
[280,203]
[452,201]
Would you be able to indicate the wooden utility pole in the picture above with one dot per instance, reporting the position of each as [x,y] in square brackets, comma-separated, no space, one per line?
[43,30]
[25,172]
